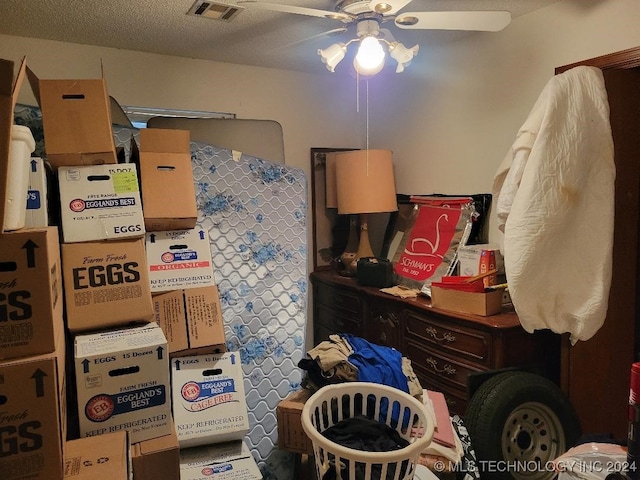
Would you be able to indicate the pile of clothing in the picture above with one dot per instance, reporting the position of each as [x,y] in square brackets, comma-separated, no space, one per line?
[347,358]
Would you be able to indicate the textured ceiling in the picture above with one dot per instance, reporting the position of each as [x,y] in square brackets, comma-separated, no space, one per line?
[254,37]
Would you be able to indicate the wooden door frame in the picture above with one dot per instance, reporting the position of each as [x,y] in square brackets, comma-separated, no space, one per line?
[625,59]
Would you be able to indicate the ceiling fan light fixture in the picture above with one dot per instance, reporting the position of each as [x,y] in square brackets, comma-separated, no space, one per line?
[402,55]
[370,54]
[407,20]
[333,55]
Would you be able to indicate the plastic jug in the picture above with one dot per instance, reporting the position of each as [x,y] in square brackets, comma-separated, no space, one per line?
[20,149]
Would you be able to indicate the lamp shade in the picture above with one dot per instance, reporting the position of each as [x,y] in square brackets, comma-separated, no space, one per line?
[331,193]
[365,182]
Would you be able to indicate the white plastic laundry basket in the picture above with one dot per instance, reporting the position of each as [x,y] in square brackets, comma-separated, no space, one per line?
[388,405]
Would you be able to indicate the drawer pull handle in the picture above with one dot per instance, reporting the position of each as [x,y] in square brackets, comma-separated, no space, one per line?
[448,368]
[446,337]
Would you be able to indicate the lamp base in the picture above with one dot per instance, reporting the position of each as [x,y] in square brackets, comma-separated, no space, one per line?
[350,250]
[364,248]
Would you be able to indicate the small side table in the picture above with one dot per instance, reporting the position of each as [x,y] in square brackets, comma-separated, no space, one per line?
[291,436]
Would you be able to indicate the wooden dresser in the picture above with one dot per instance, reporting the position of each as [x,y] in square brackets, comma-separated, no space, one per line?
[447,349]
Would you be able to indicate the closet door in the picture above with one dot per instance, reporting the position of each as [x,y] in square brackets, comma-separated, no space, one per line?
[595,374]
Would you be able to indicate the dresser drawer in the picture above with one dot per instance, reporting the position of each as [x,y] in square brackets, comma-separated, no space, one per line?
[328,321]
[383,323]
[442,369]
[345,300]
[446,337]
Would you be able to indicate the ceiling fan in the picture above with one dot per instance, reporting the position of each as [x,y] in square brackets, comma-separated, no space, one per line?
[368,15]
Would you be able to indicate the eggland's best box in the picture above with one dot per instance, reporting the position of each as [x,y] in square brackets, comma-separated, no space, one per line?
[179,259]
[209,404]
[122,380]
[100,202]
[222,461]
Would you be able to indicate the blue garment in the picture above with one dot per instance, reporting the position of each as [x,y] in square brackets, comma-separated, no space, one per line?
[377,363]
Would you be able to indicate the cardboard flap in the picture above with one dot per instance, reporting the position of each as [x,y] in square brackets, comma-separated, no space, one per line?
[34,82]
[18,83]
[160,140]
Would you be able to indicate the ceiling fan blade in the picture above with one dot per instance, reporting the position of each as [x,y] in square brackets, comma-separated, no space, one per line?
[486,21]
[329,33]
[276,7]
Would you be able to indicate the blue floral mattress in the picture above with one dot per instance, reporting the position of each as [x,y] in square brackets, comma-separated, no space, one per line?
[255,213]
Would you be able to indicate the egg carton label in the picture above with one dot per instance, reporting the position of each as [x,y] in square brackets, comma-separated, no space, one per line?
[79,205]
[104,406]
[203,395]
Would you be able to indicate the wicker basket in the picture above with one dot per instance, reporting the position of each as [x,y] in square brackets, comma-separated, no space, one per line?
[388,405]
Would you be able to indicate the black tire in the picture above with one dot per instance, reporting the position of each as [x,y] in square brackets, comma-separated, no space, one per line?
[518,423]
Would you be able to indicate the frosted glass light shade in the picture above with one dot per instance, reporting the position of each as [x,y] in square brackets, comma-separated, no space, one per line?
[365,182]
[333,55]
[402,55]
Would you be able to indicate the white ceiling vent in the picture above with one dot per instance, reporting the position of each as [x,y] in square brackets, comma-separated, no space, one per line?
[214,10]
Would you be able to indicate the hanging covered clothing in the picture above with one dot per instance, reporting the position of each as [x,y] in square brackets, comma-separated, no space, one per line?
[555,206]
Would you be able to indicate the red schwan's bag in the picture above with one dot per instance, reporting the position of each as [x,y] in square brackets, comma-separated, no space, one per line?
[428,248]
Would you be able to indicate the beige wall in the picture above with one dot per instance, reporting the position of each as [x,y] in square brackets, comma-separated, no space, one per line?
[453,125]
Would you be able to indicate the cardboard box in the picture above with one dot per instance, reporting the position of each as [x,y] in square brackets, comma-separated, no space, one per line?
[158,458]
[37,205]
[122,378]
[30,292]
[168,192]
[291,436]
[214,453]
[209,404]
[76,118]
[33,415]
[229,460]
[469,259]
[179,259]
[191,320]
[98,458]
[484,304]
[100,202]
[9,90]
[106,284]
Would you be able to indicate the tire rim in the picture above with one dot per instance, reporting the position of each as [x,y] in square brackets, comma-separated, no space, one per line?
[532,437]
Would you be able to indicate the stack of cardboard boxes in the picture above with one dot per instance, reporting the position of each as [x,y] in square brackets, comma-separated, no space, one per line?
[139,299]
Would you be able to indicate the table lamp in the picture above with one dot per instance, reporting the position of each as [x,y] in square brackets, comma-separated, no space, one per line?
[365,184]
